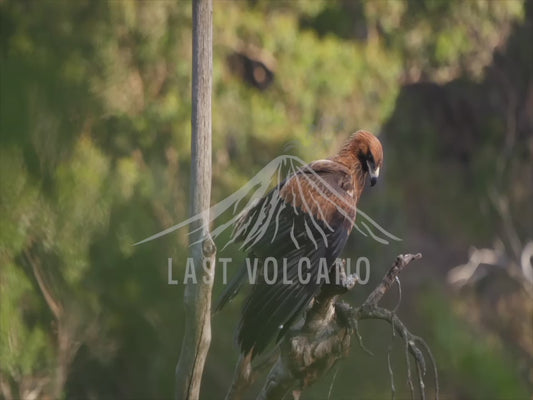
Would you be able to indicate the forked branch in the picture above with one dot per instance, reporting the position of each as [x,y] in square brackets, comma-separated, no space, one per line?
[308,352]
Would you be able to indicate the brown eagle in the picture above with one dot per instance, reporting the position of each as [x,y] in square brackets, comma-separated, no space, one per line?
[308,215]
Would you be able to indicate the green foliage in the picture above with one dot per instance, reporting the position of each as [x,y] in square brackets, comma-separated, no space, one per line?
[24,350]
[95,153]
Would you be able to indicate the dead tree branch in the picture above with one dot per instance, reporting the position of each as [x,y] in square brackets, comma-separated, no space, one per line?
[197,298]
[69,331]
[309,351]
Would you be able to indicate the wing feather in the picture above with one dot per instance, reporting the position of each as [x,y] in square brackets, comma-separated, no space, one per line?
[309,215]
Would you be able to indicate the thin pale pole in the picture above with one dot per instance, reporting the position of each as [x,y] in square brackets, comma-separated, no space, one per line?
[197,298]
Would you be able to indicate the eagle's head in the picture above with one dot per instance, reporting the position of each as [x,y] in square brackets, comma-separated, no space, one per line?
[369,152]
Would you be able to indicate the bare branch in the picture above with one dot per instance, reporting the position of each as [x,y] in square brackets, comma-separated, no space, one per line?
[197,298]
[54,304]
[391,372]
[308,352]
[399,264]
[68,331]
[408,365]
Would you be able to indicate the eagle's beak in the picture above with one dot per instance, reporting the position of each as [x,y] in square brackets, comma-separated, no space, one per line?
[373,172]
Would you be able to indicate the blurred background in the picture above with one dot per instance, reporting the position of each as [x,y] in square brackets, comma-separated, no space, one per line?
[95,153]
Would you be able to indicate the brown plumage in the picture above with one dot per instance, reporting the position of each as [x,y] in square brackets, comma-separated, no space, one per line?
[309,215]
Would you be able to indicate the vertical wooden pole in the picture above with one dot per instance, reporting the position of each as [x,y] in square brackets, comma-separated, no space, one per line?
[197,298]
